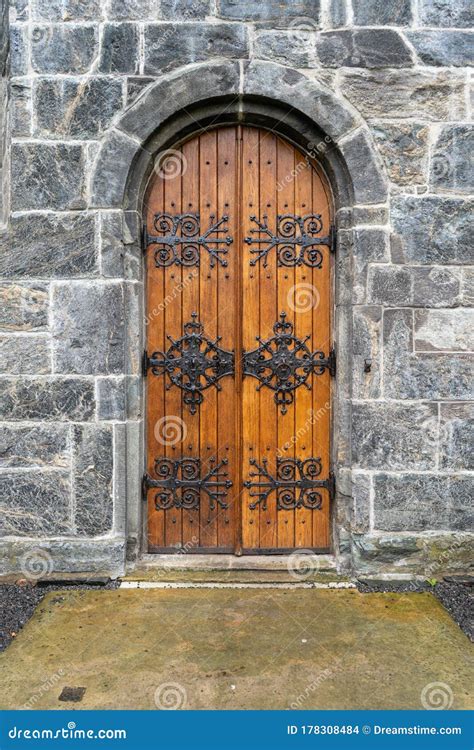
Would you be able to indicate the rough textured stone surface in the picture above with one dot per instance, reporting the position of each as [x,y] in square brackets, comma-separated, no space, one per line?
[457,437]
[286,48]
[23,307]
[111,399]
[116,155]
[414,287]
[63,48]
[427,94]
[387,13]
[76,109]
[21,109]
[34,503]
[297,14]
[28,354]
[370,246]
[80,345]
[47,176]
[39,446]
[364,48]
[167,47]
[432,230]
[116,259]
[421,376]
[67,10]
[420,502]
[452,163]
[133,10]
[444,330]
[443,47]
[93,473]
[404,149]
[47,399]
[18,50]
[394,436]
[368,183]
[367,346]
[120,48]
[361,495]
[446,13]
[50,246]
[176,10]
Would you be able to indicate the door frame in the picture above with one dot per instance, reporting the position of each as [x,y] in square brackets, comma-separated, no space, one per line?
[238,547]
[307,114]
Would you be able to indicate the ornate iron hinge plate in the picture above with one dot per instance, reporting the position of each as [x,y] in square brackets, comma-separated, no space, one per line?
[193,363]
[179,240]
[284,362]
[295,485]
[297,240]
[180,482]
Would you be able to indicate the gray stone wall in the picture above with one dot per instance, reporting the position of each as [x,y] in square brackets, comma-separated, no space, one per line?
[70,383]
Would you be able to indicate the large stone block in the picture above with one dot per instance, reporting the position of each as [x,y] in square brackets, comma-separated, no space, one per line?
[367,350]
[35,503]
[48,399]
[361,497]
[90,558]
[337,14]
[23,307]
[120,48]
[176,10]
[286,48]
[452,164]
[444,330]
[49,246]
[70,108]
[171,45]
[63,48]
[18,50]
[44,445]
[394,436]
[88,328]
[387,13]
[414,287]
[93,471]
[423,94]
[363,48]
[456,437]
[20,109]
[446,13]
[47,176]
[370,246]
[368,180]
[116,154]
[297,14]
[468,287]
[421,376]
[29,354]
[118,260]
[432,230]
[422,502]
[67,10]
[133,10]
[404,149]
[443,47]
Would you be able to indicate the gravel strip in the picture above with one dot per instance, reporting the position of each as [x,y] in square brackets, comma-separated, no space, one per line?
[456,597]
[17,604]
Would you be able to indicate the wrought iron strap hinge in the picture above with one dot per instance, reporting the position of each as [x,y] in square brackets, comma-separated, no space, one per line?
[332,239]
[179,483]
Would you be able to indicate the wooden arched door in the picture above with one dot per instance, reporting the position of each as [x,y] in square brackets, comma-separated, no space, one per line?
[238,239]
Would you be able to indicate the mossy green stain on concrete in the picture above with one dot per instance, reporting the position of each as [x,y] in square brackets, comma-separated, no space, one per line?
[237,648]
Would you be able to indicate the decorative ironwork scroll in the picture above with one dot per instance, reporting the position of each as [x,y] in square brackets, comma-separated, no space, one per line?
[295,484]
[297,240]
[193,363]
[179,240]
[180,482]
[284,362]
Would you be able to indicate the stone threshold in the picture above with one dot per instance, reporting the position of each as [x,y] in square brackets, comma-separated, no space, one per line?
[232,562]
[235,585]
